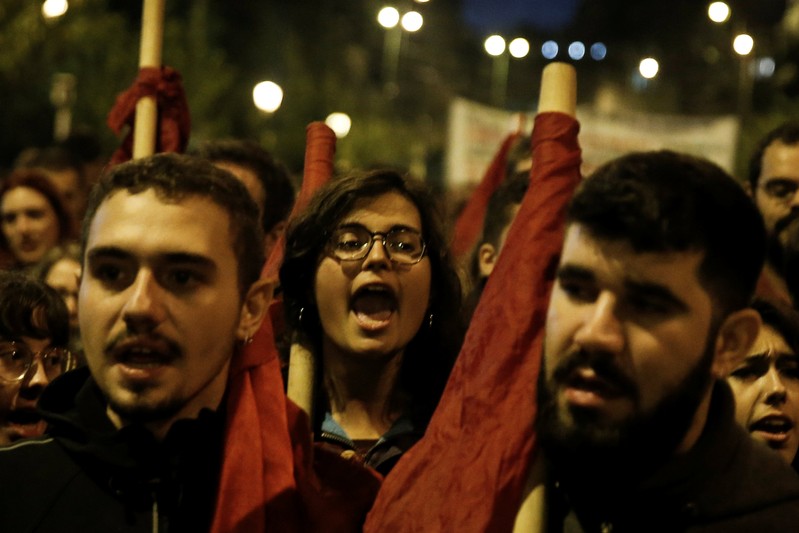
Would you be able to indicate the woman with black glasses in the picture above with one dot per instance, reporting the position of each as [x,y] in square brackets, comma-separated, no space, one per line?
[367,280]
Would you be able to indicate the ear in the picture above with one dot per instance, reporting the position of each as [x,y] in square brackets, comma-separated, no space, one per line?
[748,188]
[486,259]
[734,339]
[254,309]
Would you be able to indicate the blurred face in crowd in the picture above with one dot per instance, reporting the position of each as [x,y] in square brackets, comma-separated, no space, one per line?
[67,183]
[29,224]
[630,347]
[776,194]
[373,306]
[160,306]
[64,276]
[766,388]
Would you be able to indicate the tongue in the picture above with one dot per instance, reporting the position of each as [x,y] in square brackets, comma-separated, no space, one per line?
[373,308]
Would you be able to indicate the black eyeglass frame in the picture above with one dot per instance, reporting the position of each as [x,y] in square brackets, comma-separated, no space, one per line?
[385,239]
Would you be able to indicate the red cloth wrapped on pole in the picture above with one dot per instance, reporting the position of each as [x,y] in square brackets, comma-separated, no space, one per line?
[470,221]
[272,479]
[320,147]
[174,125]
[468,472]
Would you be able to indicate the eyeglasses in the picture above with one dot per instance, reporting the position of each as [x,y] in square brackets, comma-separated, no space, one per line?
[782,190]
[353,242]
[17,360]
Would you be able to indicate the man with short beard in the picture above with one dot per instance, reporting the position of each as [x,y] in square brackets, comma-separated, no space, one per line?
[648,313]
[773,182]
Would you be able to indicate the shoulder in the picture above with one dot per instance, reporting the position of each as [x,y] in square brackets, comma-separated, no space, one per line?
[757,488]
[34,473]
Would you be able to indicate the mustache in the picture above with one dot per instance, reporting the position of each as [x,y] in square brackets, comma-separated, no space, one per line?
[124,336]
[783,223]
[601,363]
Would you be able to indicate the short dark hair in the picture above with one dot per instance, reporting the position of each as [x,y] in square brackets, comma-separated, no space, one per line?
[430,354]
[36,180]
[174,177]
[786,133]
[273,175]
[781,317]
[670,202]
[29,308]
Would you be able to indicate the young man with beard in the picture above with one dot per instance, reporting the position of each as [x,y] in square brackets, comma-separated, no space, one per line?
[773,182]
[647,315]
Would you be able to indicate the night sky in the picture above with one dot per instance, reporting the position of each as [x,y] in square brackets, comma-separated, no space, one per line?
[507,15]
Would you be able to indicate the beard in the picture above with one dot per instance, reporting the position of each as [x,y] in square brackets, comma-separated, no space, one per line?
[582,442]
[783,253]
[144,412]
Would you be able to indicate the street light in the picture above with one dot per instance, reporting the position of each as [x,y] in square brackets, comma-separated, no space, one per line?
[390,19]
[743,44]
[267,96]
[54,8]
[718,12]
[648,67]
[340,123]
[495,46]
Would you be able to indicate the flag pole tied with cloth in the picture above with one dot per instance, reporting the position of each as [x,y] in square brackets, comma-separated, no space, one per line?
[470,471]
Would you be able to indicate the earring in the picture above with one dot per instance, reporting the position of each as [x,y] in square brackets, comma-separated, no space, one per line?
[299,318]
[430,321]
[247,340]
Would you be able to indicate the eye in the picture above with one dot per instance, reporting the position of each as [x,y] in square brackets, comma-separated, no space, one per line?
[648,306]
[182,278]
[348,240]
[578,290]
[35,214]
[789,367]
[111,272]
[780,188]
[9,218]
[750,371]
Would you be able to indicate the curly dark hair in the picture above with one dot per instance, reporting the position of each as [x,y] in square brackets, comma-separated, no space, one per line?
[670,202]
[29,308]
[429,356]
[177,176]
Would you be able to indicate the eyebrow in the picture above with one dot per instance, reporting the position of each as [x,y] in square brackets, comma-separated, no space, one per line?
[639,289]
[114,252]
[395,227]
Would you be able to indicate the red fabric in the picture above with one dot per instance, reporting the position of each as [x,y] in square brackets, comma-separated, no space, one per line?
[470,221]
[320,147]
[166,86]
[468,471]
[273,479]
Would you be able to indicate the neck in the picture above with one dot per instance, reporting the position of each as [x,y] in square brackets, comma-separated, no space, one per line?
[362,391]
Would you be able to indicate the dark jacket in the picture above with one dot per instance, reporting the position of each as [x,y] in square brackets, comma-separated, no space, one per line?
[88,476]
[726,483]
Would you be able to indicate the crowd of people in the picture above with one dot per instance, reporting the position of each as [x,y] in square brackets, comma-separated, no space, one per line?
[620,352]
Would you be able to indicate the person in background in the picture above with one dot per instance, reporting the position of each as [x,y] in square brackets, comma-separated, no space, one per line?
[500,212]
[63,170]
[33,219]
[367,279]
[266,179]
[60,269]
[766,383]
[34,334]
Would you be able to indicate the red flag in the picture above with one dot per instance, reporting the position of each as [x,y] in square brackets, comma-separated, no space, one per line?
[166,86]
[468,471]
[272,479]
[470,221]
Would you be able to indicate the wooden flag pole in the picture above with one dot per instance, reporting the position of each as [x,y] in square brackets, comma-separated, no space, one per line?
[152,37]
[558,94]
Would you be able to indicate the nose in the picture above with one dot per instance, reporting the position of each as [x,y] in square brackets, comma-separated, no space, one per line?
[601,330]
[377,256]
[143,309]
[35,380]
[774,388]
